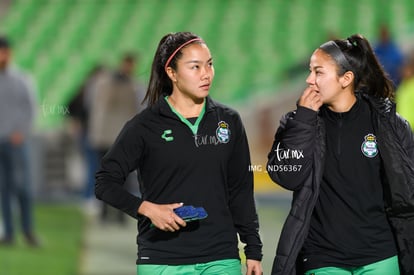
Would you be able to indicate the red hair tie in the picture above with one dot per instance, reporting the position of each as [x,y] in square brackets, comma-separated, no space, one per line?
[179,48]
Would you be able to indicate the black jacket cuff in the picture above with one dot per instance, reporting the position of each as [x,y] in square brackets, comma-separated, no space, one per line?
[306,115]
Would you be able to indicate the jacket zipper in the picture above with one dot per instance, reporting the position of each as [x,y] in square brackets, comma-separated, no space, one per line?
[340,123]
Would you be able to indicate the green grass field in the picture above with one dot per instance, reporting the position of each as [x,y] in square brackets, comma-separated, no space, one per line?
[60,229]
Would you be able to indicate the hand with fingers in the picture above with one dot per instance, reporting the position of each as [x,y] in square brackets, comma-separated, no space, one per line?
[254,267]
[311,99]
[162,216]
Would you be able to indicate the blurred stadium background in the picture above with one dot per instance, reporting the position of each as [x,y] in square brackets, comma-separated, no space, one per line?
[260,49]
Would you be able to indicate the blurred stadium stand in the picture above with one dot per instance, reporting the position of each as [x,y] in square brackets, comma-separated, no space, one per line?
[258,46]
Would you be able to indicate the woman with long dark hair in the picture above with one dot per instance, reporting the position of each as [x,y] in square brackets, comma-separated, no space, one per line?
[348,157]
[193,158]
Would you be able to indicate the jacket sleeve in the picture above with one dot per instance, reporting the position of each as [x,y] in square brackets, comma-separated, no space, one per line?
[119,161]
[406,135]
[401,172]
[404,100]
[241,195]
[290,160]
[27,109]
[398,151]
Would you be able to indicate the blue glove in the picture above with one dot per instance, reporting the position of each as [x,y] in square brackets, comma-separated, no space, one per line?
[190,213]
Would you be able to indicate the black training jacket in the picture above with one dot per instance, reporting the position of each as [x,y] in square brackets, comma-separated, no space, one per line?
[208,168]
[300,144]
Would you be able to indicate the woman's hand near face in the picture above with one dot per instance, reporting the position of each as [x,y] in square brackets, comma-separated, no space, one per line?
[311,99]
[162,215]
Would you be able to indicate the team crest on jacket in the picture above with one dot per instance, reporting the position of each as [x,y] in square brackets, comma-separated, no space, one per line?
[223,132]
[369,147]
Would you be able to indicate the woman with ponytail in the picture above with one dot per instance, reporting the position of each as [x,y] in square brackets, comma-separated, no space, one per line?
[348,157]
[192,156]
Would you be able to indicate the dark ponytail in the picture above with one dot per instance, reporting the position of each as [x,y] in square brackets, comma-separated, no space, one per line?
[160,84]
[370,76]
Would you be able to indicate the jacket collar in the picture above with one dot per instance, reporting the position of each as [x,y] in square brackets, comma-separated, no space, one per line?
[164,109]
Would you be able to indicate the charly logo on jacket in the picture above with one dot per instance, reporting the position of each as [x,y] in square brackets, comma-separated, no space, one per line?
[223,132]
[167,135]
[369,147]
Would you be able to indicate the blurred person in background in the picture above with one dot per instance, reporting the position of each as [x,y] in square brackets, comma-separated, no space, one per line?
[117,98]
[349,160]
[405,92]
[389,54]
[79,111]
[17,112]
[189,150]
